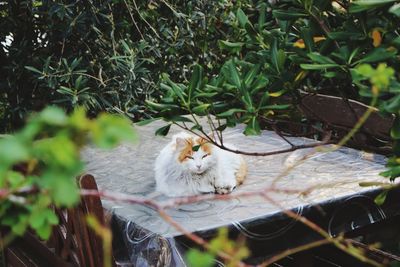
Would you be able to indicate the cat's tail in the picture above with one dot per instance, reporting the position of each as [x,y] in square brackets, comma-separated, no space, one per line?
[241,172]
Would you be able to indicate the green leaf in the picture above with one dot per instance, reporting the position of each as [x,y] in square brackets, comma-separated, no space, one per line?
[12,150]
[253,127]
[392,105]
[242,18]
[262,17]
[195,81]
[33,69]
[163,131]
[307,36]
[37,219]
[392,172]
[395,10]
[177,90]
[197,127]
[221,128]
[109,130]
[377,55]
[281,58]
[380,199]
[231,74]
[53,116]
[178,119]
[63,190]
[200,109]
[20,227]
[318,58]
[195,148]
[365,70]
[250,75]
[196,258]
[372,2]
[318,66]
[15,179]
[79,120]
[275,55]
[233,48]
[145,122]
[260,83]
[346,35]
[230,112]
[276,107]
[365,5]
[160,106]
[51,217]
[287,14]
[44,231]
[263,100]
[395,131]
[205,95]
[330,74]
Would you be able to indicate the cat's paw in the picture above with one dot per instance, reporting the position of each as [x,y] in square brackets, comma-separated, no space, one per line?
[224,189]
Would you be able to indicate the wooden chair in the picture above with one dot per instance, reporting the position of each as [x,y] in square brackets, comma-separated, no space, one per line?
[72,242]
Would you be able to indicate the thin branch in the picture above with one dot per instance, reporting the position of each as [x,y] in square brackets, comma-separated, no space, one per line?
[323,27]
[148,24]
[276,130]
[133,19]
[257,154]
[361,121]
[338,242]
[292,251]
[160,210]
[375,250]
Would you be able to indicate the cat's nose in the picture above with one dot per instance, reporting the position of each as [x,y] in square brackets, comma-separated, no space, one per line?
[198,166]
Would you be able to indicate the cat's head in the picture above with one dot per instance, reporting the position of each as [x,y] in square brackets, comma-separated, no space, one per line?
[194,154]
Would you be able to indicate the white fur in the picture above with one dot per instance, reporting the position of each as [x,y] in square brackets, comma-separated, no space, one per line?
[212,173]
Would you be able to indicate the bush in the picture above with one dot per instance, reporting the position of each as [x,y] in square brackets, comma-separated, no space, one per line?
[44,162]
[105,55]
[278,50]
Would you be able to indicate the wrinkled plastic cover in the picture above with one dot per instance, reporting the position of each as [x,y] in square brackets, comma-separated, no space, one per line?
[150,241]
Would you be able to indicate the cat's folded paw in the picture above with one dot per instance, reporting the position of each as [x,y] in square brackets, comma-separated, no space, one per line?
[224,189]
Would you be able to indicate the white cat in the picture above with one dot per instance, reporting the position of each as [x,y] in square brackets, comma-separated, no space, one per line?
[190,165]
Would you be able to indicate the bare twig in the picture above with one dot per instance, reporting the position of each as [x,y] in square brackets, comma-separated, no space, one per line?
[133,19]
[148,24]
[257,154]
[338,242]
[278,132]
[292,251]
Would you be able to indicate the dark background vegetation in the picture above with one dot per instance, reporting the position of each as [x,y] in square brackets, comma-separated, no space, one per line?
[104,55]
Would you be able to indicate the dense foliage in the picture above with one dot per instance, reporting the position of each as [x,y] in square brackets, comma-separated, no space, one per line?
[277,51]
[104,55]
[39,163]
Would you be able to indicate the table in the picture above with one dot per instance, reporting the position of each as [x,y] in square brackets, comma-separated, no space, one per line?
[148,240]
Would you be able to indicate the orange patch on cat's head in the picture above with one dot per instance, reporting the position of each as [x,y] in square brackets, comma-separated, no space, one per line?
[186,147]
[204,144]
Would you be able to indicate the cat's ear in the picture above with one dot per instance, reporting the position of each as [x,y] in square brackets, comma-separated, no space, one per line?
[180,142]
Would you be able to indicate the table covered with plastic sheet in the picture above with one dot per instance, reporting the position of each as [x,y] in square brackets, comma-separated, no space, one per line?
[336,202]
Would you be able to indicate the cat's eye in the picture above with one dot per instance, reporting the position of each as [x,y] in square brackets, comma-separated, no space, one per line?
[189,157]
[205,155]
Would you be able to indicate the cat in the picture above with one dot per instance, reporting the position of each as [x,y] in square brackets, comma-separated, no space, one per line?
[191,165]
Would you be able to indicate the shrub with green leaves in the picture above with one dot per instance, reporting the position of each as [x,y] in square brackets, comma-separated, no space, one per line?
[106,56]
[219,244]
[39,164]
[276,51]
